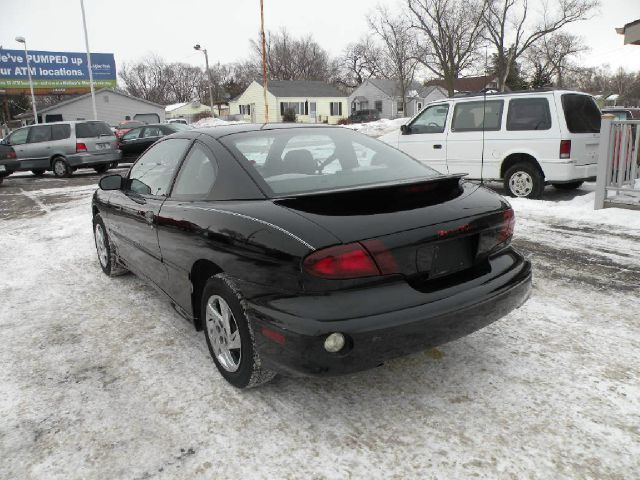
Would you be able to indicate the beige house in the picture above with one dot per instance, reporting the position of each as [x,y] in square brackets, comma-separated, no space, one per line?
[186,110]
[311,101]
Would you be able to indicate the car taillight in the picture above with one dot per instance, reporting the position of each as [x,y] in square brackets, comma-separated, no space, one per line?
[508,225]
[498,236]
[12,155]
[81,147]
[565,148]
[341,262]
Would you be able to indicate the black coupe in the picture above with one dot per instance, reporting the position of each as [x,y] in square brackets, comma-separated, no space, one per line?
[309,250]
[138,139]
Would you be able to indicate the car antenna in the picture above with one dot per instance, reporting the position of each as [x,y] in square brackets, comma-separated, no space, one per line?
[484,116]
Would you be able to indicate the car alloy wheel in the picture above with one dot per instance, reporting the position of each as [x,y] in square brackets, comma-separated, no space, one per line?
[521,184]
[60,168]
[223,333]
[101,245]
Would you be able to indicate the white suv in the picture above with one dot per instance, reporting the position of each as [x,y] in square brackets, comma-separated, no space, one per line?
[527,139]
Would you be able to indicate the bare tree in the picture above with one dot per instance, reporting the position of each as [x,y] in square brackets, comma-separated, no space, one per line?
[510,30]
[552,56]
[147,79]
[358,62]
[398,51]
[452,31]
[290,58]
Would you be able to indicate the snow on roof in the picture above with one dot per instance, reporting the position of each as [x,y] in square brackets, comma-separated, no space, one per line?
[174,106]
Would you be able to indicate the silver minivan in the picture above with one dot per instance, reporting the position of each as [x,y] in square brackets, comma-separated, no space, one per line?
[63,147]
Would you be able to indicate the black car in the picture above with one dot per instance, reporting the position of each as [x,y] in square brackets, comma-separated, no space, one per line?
[8,163]
[309,250]
[138,139]
[364,116]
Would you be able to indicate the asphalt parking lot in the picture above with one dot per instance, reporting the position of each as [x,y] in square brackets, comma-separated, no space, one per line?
[101,379]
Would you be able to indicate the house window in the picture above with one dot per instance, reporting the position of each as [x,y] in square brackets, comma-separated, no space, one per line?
[419,106]
[400,106]
[353,107]
[105,98]
[335,108]
[245,109]
[297,107]
[378,105]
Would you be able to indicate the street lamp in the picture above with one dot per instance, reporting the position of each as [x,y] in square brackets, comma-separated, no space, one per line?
[33,97]
[206,60]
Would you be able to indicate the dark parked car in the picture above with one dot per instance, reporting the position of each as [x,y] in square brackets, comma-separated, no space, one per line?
[364,116]
[138,139]
[8,163]
[126,125]
[309,250]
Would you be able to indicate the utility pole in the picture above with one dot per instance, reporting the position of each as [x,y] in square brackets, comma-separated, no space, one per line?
[206,61]
[33,97]
[86,41]
[264,63]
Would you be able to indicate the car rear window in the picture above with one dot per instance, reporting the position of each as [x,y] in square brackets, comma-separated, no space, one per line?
[529,114]
[92,130]
[581,113]
[320,159]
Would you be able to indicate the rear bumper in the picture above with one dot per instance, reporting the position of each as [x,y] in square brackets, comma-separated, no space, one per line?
[92,159]
[374,339]
[559,172]
[7,167]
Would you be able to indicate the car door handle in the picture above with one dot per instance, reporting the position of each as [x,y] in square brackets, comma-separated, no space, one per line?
[149,216]
[437,146]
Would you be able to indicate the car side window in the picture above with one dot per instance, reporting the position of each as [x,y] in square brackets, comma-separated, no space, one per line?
[39,133]
[477,116]
[60,131]
[132,134]
[19,137]
[197,175]
[431,120]
[151,132]
[529,114]
[153,172]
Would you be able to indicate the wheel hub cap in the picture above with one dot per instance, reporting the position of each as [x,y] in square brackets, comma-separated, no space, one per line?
[59,168]
[223,333]
[521,184]
[101,245]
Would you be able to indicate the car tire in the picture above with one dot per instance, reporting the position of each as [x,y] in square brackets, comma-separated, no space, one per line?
[61,168]
[102,168]
[226,323]
[106,251]
[113,165]
[38,172]
[524,180]
[568,186]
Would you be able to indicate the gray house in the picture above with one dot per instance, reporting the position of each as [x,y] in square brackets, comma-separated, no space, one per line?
[112,107]
[385,97]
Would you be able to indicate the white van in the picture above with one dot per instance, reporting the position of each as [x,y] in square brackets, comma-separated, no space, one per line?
[527,139]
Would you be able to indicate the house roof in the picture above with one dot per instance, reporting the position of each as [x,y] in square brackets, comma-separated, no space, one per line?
[392,87]
[302,88]
[468,84]
[82,97]
[175,106]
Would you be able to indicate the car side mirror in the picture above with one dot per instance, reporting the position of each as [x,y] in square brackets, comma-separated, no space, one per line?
[405,129]
[111,182]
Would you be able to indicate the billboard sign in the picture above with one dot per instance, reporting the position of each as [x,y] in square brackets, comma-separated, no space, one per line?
[54,72]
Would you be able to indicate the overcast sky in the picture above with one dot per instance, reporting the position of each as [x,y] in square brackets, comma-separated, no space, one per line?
[132,28]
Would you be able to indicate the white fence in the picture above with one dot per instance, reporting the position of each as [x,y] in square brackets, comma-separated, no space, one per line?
[618,181]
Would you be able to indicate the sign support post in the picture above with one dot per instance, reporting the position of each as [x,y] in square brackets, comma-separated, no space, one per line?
[86,41]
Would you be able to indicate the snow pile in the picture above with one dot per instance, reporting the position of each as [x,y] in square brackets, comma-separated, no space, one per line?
[379,127]
[215,122]
[576,208]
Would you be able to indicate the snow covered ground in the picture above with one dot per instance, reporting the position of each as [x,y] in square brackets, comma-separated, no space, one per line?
[378,127]
[101,379]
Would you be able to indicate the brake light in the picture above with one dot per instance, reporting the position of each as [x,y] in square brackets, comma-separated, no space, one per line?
[565,148]
[341,262]
[12,155]
[81,147]
[508,225]
[382,256]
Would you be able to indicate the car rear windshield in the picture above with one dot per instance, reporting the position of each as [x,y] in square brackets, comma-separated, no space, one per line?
[581,113]
[92,130]
[304,160]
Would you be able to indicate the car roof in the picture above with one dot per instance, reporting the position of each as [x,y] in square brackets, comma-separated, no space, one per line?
[224,130]
[539,91]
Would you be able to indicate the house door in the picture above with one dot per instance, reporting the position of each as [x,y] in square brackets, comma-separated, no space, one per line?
[253,113]
[312,112]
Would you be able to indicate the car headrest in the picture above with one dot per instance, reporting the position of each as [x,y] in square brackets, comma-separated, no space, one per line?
[299,161]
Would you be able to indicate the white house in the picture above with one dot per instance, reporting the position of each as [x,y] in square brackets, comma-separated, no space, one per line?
[311,101]
[385,96]
[113,107]
[187,110]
